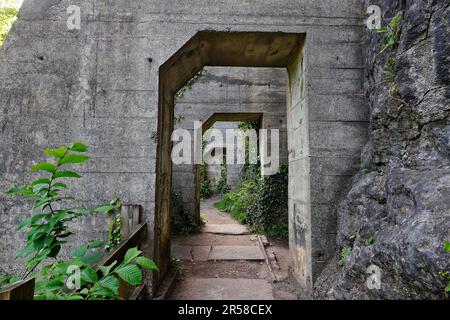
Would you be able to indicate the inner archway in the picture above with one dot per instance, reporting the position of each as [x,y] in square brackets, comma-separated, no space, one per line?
[312,146]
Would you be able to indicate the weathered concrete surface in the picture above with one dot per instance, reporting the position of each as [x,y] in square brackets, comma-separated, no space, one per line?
[223,289]
[404,202]
[101,85]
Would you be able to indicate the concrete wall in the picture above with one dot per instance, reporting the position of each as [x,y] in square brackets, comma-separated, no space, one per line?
[99,85]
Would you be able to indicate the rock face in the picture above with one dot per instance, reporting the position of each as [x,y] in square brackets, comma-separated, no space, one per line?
[397,214]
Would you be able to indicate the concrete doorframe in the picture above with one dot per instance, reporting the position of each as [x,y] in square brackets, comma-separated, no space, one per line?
[312,224]
[216,117]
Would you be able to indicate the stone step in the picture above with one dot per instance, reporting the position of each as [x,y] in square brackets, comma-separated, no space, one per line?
[229,229]
[208,253]
[236,253]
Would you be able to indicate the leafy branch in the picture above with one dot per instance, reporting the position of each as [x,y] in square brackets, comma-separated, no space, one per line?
[48,229]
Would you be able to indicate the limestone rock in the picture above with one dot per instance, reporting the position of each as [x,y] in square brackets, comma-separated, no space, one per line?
[398,216]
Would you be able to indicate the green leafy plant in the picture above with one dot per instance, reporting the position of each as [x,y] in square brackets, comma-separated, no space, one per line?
[7,18]
[370,240]
[222,185]
[368,169]
[182,221]
[101,284]
[260,202]
[343,255]
[48,229]
[177,266]
[115,225]
[7,280]
[446,275]
[190,83]
[205,189]
[393,32]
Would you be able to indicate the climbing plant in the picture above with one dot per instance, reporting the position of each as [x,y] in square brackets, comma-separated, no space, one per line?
[222,185]
[115,224]
[190,83]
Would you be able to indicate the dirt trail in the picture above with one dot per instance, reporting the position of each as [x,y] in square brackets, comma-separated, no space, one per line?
[224,261]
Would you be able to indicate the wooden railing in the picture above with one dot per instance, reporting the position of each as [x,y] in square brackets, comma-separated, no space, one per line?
[133,232]
[22,290]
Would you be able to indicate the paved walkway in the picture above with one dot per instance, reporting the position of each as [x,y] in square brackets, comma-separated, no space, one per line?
[225,262]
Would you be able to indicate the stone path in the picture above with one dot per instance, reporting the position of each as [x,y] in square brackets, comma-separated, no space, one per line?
[225,262]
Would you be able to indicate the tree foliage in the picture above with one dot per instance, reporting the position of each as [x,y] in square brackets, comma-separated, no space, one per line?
[7,18]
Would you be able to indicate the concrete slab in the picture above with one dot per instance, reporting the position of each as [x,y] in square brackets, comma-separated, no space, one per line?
[201,253]
[223,289]
[234,229]
[236,253]
[182,252]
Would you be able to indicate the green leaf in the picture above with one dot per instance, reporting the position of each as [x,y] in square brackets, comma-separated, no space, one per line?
[66,174]
[146,263]
[395,22]
[104,209]
[75,297]
[80,252]
[382,30]
[98,290]
[73,158]
[44,167]
[37,217]
[107,269]
[447,245]
[131,274]
[447,288]
[77,146]
[60,184]
[38,187]
[25,252]
[20,190]
[89,275]
[95,244]
[110,283]
[24,223]
[131,254]
[92,258]
[54,250]
[40,181]
[57,153]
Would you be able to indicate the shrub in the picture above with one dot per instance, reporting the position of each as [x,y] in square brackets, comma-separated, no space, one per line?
[260,202]
[182,221]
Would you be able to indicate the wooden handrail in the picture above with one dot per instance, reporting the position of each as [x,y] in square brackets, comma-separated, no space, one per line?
[134,240]
[22,290]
